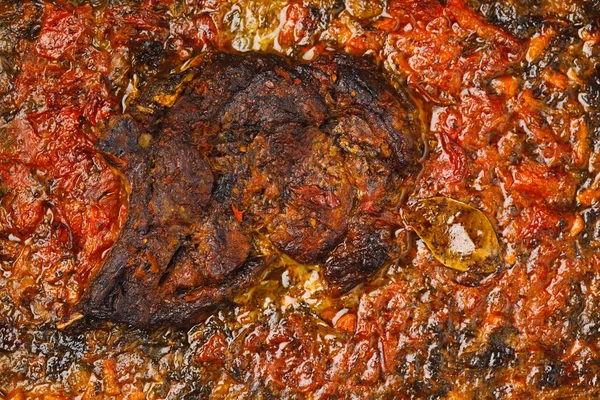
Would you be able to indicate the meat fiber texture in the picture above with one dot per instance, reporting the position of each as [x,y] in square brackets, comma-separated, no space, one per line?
[243,159]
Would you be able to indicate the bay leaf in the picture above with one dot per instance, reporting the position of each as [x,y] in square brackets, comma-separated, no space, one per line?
[459,236]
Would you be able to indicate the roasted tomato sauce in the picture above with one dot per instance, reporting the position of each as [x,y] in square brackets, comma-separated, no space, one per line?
[508,94]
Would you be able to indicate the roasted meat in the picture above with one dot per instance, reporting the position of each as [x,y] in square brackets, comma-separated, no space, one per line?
[244,158]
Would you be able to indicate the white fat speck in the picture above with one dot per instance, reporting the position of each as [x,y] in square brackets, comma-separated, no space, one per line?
[460,242]
[435,117]
[310,54]
[285,278]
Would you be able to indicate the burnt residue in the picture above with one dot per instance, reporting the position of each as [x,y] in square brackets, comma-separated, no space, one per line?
[520,17]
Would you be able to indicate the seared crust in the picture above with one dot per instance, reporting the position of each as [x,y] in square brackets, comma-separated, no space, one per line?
[309,157]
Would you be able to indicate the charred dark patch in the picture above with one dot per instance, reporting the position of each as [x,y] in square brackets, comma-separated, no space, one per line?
[498,353]
[552,375]
[519,17]
[148,57]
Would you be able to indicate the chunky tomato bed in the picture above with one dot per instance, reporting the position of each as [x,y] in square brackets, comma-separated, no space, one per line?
[509,98]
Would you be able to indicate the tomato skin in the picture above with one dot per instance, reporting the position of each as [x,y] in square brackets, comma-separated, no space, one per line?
[60,32]
[299,25]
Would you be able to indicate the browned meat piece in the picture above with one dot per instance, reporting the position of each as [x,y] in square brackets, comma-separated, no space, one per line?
[253,149]
[316,195]
[364,250]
